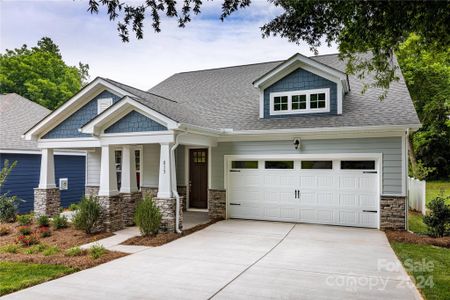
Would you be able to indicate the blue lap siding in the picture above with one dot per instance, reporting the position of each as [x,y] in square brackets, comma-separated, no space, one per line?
[25,177]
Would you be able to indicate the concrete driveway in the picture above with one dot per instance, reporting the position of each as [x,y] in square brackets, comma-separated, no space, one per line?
[246,260]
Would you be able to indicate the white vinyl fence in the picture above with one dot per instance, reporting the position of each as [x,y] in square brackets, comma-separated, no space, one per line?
[417,195]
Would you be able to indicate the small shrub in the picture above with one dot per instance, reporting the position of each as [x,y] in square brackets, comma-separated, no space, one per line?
[43,221]
[35,249]
[438,216]
[147,217]
[4,230]
[27,240]
[8,208]
[24,220]
[74,251]
[97,251]
[10,248]
[44,232]
[73,207]
[25,230]
[51,250]
[59,222]
[88,215]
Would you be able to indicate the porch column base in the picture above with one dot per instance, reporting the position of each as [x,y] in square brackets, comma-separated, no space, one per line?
[47,201]
[112,213]
[167,207]
[217,204]
[149,191]
[393,213]
[91,190]
[129,202]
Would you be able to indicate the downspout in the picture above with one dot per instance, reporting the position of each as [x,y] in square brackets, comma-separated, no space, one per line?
[173,182]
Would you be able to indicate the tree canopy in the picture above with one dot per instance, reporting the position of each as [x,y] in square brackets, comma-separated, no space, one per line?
[40,74]
[356,26]
[427,74]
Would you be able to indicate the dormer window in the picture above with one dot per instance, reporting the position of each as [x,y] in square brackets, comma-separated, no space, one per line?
[300,102]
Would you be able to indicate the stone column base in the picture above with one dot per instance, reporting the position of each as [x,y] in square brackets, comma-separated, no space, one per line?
[167,208]
[149,191]
[91,190]
[392,213]
[112,213]
[47,201]
[129,202]
[217,204]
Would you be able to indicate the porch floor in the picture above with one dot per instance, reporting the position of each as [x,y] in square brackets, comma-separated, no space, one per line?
[194,218]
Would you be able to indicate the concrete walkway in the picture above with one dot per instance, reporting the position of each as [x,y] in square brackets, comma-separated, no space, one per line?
[246,260]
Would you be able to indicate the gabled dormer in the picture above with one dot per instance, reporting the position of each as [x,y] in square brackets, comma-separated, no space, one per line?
[299,86]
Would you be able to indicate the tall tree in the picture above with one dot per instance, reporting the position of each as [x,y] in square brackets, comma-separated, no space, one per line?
[40,74]
[355,25]
[427,74]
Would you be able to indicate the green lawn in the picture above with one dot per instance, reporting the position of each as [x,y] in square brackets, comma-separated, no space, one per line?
[437,188]
[434,189]
[431,267]
[15,276]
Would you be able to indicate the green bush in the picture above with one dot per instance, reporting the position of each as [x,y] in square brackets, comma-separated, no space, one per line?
[59,222]
[8,208]
[51,250]
[438,216]
[8,204]
[25,220]
[35,249]
[74,207]
[97,251]
[88,215]
[25,230]
[43,221]
[147,217]
[10,248]
[74,251]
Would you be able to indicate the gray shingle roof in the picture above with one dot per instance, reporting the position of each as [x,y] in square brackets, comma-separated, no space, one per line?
[17,115]
[226,98]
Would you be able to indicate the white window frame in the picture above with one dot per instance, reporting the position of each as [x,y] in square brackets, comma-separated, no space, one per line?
[308,109]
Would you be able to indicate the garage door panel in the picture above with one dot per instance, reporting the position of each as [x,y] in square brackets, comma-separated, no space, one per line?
[338,197]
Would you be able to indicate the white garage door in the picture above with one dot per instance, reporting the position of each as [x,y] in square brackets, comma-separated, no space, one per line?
[337,192]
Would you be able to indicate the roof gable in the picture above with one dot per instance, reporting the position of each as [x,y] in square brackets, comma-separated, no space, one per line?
[134,122]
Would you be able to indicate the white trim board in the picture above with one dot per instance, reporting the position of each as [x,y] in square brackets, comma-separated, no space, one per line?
[39,152]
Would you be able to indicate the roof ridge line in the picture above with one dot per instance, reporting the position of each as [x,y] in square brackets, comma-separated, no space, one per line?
[146,92]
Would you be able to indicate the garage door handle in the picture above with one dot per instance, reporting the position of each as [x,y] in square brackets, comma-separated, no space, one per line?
[235,170]
[370,172]
[235,204]
[370,211]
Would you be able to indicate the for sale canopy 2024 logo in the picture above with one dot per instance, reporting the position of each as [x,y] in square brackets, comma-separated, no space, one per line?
[387,272]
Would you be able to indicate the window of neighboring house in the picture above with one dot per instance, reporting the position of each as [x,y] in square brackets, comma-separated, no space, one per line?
[280,103]
[295,102]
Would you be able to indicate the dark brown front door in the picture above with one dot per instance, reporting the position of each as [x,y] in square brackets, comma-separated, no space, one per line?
[198,178]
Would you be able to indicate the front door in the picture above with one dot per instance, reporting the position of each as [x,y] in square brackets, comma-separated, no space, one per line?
[198,178]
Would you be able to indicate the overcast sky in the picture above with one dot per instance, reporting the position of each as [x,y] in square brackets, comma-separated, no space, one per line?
[206,42]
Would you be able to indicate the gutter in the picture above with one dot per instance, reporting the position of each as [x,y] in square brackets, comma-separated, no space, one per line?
[173,182]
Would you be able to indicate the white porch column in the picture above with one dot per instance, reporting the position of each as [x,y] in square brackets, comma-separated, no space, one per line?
[47,175]
[108,179]
[128,184]
[164,187]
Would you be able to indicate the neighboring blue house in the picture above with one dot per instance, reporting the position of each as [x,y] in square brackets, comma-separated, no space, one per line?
[17,114]
[294,140]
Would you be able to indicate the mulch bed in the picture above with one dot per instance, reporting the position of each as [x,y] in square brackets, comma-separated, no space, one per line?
[412,238]
[62,238]
[164,238]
